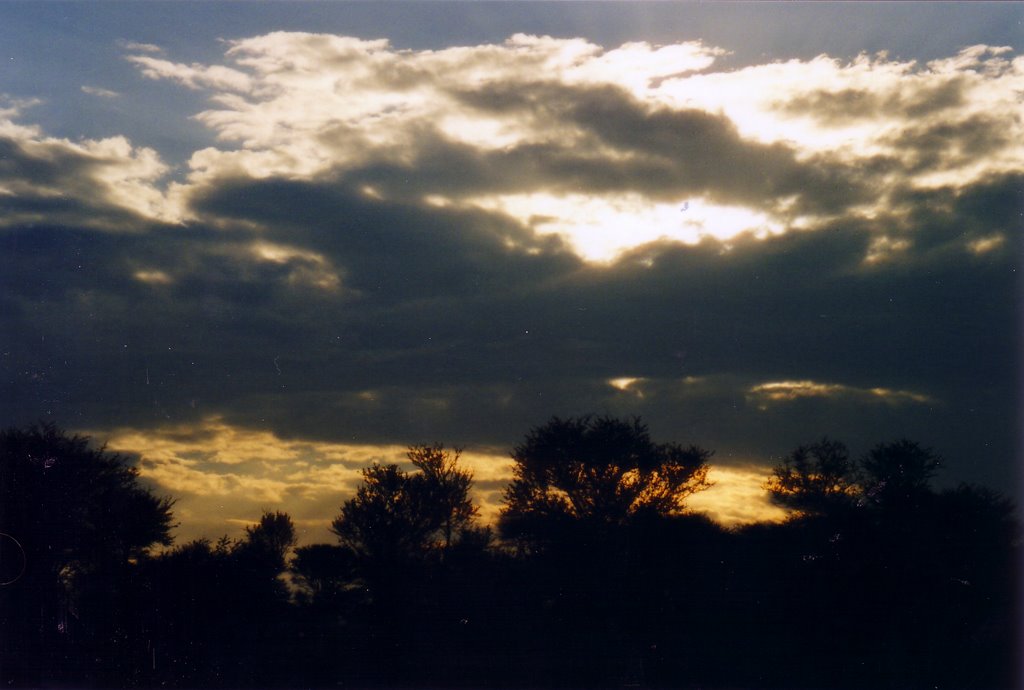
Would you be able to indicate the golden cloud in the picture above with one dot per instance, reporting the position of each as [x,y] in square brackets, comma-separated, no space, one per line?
[787,391]
[224,476]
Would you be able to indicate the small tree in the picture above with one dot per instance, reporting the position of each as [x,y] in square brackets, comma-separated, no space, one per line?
[599,469]
[269,540]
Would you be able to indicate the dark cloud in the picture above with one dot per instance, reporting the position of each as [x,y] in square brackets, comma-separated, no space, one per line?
[353,308]
[54,181]
[398,249]
[466,328]
[907,100]
[622,145]
[939,145]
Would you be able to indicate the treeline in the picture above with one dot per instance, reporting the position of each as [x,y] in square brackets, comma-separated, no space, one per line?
[594,576]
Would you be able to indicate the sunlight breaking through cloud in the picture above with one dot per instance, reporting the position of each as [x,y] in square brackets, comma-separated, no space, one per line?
[786,391]
[603,146]
[216,469]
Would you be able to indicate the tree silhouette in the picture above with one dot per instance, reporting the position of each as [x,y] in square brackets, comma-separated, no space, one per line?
[815,479]
[880,580]
[83,520]
[898,473]
[444,489]
[884,581]
[400,527]
[586,495]
[322,570]
[396,515]
[219,613]
[597,469]
[269,541]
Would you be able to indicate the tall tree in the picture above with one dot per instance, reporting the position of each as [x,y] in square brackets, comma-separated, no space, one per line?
[220,613]
[83,519]
[599,469]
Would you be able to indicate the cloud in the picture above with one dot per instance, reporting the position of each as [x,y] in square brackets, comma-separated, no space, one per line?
[102,183]
[139,47]
[737,497]
[97,91]
[192,76]
[216,469]
[783,391]
[603,146]
[203,465]
[397,246]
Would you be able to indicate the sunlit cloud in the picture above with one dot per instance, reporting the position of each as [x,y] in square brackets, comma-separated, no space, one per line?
[192,76]
[989,243]
[884,248]
[787,391]
[307,267]
[623,383]
[306,106]
[227,475]
[737,496]
[153,277]
[827,105]
[600,228]
[213,464]
[93,182]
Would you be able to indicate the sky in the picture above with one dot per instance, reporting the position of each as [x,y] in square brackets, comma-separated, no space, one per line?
[257,246]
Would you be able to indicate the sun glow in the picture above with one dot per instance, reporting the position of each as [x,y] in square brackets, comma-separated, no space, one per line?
[601,228]
[224,476]
[737,496]
[788,391]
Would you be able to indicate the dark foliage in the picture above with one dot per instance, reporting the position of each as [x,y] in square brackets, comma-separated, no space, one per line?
[83,522]
[877,579]
[220,614]
[596,470]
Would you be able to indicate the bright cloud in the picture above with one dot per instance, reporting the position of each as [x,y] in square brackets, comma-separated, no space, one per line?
[604,146]
[737,496]
[216,469]
[786,391]
[192,76]
[212,464]
[600,228]
[94,179]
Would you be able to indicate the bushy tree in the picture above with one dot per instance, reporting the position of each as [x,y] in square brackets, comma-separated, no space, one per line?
[599,469]
[269,541]
[898,473]
[322,570]
[396,515]
[220,611]
[815,479]
[83,519]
